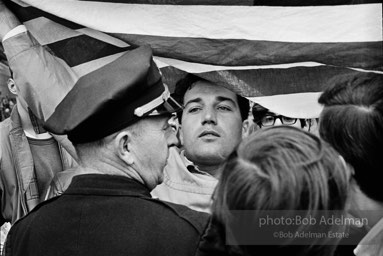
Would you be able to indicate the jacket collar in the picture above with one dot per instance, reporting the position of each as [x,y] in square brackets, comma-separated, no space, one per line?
[23,162]
[20,150]
[104,184]
[15,118]
[191,166]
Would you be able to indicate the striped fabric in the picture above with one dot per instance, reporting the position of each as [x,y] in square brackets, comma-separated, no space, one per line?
[253,50]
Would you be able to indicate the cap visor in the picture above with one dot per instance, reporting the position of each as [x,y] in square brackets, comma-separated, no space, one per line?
[167,107]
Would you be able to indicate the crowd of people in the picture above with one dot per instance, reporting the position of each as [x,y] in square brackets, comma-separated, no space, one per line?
[6,106]
[138,171]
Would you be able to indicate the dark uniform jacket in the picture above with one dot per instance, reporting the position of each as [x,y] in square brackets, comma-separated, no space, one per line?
[107,215]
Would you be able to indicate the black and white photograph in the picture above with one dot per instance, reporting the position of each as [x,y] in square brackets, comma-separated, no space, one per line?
[191,127]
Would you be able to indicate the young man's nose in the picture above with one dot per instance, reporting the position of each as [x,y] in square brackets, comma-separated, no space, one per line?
[209,116]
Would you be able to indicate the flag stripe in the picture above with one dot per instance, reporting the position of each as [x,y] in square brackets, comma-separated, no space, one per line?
[236,52]
[46,31]
[87,67]
[303,107]
[29,13]
[361,54]
[192,67]
[264,82]
[244,2]
[83,48]
[103,37]
[43,30]
[183,2]
[310,24]
[218,52]
[254,51]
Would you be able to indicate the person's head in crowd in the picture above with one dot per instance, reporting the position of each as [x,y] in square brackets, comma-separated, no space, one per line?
[11,104]
[211,122]
[5,101]
[117,119]
[352,121]
[276,169]
[249,125]
[263,117]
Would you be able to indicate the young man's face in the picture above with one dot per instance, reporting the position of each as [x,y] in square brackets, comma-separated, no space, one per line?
[211,123]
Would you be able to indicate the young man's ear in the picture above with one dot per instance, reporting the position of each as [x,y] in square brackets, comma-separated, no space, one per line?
[12,86]
[123,144]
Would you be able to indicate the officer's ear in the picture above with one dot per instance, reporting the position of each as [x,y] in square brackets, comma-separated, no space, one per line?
[12,86]
[123,146]
[180,135]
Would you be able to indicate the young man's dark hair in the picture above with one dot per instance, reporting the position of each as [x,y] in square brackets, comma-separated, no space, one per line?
[189,80]
[352,121]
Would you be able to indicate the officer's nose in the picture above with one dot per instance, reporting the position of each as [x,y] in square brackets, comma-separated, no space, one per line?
[173,122]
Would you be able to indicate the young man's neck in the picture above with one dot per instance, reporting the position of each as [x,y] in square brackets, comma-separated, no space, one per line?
[213,170]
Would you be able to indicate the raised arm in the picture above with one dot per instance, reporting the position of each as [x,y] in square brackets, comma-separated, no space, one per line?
[42,78]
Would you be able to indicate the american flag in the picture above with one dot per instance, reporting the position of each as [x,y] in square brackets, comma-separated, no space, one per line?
[253,49]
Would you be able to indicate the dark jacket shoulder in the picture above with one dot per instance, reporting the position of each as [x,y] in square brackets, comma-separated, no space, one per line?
[198,220]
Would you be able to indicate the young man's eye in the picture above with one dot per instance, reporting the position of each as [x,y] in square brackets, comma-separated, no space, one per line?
[193,109]
[224,108]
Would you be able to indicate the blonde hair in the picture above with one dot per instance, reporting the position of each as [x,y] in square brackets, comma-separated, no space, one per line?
[282,168]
